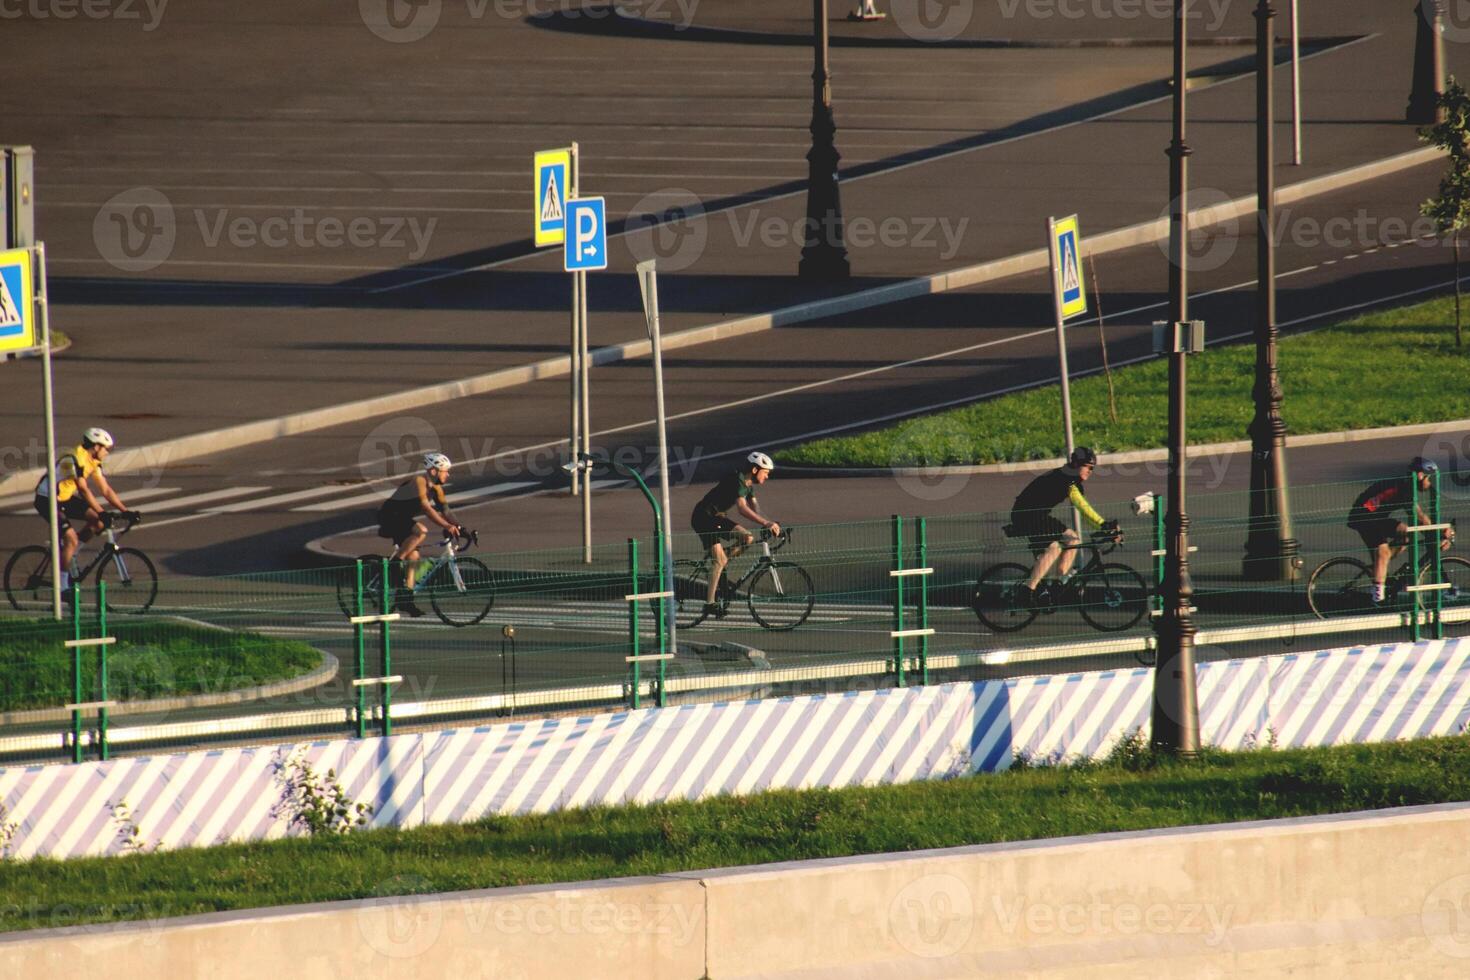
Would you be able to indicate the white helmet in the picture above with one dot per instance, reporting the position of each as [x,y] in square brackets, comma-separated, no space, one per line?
[436,461]
[761,460]
[97,437]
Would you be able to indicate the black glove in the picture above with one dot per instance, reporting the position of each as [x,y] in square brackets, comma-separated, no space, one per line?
[133,515]
[1111,527]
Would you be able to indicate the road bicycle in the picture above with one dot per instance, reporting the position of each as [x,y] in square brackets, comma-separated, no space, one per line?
[1343,586]
[460,589]
[1110,596]
[779,593]
[132,581]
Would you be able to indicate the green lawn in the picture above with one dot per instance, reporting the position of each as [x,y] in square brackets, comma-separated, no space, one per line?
[1416,375]
[1131,791]
[152,659]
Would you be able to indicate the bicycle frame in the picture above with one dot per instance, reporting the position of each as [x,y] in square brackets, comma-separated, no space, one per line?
[109,549]
[762,560]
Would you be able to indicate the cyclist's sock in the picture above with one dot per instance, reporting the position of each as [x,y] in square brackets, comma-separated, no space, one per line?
[65,581]
[1378,591]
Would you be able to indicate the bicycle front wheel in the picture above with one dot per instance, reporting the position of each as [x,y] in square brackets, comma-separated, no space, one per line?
[464,602]
[1340,587]
[781,596]
[372,587]
[28,579]
[132,583]
[691,585]
[1113,598]
[1455,571]
[996,602]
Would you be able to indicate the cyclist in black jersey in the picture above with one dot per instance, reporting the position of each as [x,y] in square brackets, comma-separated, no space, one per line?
[1050,539]
[734,490]
[420,495]
[1384,534]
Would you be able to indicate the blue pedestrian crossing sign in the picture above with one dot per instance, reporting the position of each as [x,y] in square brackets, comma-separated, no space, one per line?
[17,301]
[553,170]
[586,229]
[1066,265]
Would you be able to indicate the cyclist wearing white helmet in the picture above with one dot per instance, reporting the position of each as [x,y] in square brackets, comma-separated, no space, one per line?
[74,499]
[1384,534]
[734,490]
[398,520]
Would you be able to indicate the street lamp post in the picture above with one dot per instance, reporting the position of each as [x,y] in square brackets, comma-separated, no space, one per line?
[1270,549]
[1428,83]
[1176,708]
[823,256]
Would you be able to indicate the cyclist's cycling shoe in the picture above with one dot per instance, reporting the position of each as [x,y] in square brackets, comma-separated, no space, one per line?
[713,609]
[406,605]
[1025,597]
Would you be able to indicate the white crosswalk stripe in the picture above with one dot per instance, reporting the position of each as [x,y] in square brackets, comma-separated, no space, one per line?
[179,503]
[455,497]
[128,496]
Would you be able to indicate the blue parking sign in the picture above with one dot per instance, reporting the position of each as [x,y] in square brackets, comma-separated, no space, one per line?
[586,235]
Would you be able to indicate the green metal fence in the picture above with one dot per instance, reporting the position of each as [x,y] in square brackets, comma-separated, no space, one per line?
[897,601]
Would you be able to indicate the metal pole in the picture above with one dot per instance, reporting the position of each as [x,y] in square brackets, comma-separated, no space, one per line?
[574,353]
[824,255]
[633,649]
[1175,707]
[1270,549]
[1056,302]
[921,530]
[359,639]
[648,278]
[385,664]
[1296,88]
[43,315]
[1429,64]
[102,751]
[76,674]
[898,657]
[586,425]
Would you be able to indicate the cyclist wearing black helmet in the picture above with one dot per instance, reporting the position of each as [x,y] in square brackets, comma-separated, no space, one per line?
[1050,539]
[1372,516]
[735,490]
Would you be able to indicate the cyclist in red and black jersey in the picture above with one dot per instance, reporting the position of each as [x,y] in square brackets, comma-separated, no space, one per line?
[1372,516]
[1050,539]
[735,491]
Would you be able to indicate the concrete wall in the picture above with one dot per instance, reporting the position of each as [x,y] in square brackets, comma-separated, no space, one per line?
[1370,895]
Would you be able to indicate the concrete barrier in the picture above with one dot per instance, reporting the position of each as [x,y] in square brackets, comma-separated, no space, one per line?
[1372,895]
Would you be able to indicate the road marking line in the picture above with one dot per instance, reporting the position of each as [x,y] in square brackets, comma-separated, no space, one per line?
[177,503]
[143,494]
[367,498]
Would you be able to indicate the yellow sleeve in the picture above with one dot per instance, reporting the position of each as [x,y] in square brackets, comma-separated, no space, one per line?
[1080,502]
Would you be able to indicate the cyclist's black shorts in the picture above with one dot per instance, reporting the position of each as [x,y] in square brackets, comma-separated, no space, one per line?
[396,520]
[711,528]
[1039,529]
[1376,530]
[71,509]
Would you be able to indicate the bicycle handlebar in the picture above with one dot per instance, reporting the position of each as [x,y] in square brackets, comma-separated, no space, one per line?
[782,539]
[466,540]
[130,517]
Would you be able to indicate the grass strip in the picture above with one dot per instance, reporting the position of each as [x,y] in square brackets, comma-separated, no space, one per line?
[152,659]
[1132,790]
[1393,367]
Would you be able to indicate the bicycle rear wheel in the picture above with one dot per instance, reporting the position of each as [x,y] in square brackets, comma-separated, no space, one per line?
[1113,598]
[132,582]
[781,596]
[28,579]
[691,584]
[372,587]
[995,599]
[467,605]
[1340,587]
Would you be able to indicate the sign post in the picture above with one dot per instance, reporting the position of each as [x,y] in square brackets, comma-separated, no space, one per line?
[648,286]
[584,247]
[1069,296]
[554,180]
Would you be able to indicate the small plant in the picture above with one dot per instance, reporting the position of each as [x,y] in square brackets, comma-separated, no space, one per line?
[8,829]
[314,803]
[1132,752]
[1450,208]
[128,834]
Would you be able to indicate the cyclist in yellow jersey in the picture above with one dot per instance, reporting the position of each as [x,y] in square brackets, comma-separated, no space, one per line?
[1050,539]
[74,499]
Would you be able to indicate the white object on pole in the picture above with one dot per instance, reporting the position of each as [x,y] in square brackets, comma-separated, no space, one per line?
[648,285]
[867,10]
[43,316]
[1295,85]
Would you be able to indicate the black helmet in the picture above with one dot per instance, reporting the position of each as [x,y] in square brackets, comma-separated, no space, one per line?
[1082,456]
[1422,465]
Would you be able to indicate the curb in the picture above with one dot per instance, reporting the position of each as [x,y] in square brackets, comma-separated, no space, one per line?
[323,673]
[265,430]
[1134,456]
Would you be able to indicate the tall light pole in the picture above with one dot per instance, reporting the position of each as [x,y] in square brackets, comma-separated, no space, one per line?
[1270,550]
[1428,83]
[823,256]
[1176,706]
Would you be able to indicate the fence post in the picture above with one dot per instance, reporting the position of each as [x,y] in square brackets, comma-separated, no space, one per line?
[102,752]
[633,619]
[76,671]
[387,657]
[1157,600]
[921,532]
[360,640]
[1438,562]
[898,600]
[1416,607]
